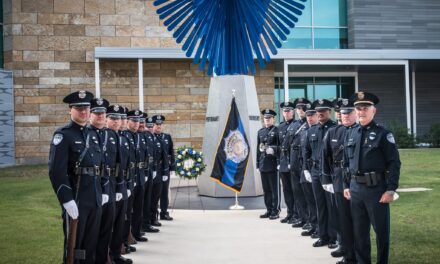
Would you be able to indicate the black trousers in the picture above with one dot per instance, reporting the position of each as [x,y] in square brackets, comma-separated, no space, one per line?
[365,211]
[271,189]
[345,226]
[333,216]
[105,232]
[164,197]
[155,197]
[128,213]
[147,202]
[300,200]
[321,208]
[138,205]
[118,228]
[311,204]
[286,179]
[87,232]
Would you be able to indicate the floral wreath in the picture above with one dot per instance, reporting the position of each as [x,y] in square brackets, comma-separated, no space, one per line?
[189,163]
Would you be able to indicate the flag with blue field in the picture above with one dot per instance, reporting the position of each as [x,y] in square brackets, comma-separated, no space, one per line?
[232,153]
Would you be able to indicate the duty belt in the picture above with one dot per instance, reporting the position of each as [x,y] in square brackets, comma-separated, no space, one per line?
[338,163]
[132,165]
[296,147]
[369,178]
[125,174]
[111,171]
[141,165]
[93,171]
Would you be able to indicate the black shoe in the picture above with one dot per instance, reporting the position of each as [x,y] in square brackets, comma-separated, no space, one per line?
[333,244]
[338,253]
[274,216]
[141,239]
[345,261]
[122,260]
[142,233]
[131,249]
[315,235]
[321,243]
[307,226]
[265,215]
[285,219]
[166,217]
[150,229]
[298,224]
[308,232]
[156,223]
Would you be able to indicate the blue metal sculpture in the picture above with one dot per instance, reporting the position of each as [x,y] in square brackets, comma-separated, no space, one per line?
[227,34]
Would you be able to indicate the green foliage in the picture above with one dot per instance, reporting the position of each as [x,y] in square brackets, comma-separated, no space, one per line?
[434,135]
[401,134]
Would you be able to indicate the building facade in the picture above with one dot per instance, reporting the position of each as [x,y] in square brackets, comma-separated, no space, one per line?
[120,50]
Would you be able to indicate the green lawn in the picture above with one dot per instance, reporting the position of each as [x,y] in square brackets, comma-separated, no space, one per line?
[30,222]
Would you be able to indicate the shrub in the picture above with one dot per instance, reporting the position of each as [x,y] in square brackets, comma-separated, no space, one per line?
[403,138]
[434,135]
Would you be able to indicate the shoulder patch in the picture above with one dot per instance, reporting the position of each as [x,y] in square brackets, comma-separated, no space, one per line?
[57,138]
[390,138]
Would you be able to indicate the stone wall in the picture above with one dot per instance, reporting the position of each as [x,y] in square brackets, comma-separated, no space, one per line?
[49,46]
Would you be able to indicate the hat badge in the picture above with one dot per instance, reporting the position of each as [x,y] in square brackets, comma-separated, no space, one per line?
[267,111]
[345,101]
[308,105]
[321,102]
[136,112]
[361,95]
[150,119]
[300,100]
[159,118]
[82,94]
[99,101]
[116,108]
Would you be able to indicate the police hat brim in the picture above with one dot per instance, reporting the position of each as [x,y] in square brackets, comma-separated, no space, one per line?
[322,108]
[98,110]
[346,110]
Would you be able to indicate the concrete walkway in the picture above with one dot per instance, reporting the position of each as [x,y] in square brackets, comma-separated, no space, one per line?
[227,237]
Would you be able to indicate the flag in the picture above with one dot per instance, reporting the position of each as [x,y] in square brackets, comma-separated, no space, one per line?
[232,153]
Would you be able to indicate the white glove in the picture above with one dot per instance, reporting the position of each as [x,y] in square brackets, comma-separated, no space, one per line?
[308,176]
[288,166]
[164,178]
[172,174]
[278,167]
[135,184]
[104,199]
[118,197]
[71,209]
[146,178]
[128,193]
[270,151]
[328,188]
[154,174]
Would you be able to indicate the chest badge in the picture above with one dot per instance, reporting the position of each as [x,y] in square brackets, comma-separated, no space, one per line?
[372,136]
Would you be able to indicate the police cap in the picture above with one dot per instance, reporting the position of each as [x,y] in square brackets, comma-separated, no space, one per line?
[79,98]
[364,98]
[99,105]
[134,115]
[287,105]
[268,113]
[114,111]
[322,104]
[300,102]
[158,119]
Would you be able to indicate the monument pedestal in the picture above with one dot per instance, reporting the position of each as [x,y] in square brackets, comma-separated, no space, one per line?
[221,91]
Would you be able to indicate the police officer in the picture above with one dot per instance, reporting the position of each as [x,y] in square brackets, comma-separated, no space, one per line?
[107,140]
[162,169]
[149,137]
[74,160]
[267,163]
[284,167]
[311,228]
[119,149]
[373,162]
[332,167]
[294,148]
[167,143]
[313,153]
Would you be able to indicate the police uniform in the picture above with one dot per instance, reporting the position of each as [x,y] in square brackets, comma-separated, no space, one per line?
[313,154]
[284,167]
[267,162]
[311,227]
[149,137]
[107,140]
[74,160]
[162,168]
[117,151]
[373,162]
[168,145]
[332,169]
[294,150]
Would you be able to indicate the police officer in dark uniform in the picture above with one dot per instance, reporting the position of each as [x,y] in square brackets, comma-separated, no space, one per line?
[311,227]
[162,169]
[149,137]
[74,160]
[313,153]
[267,162]
[373,162]
[332,167]
[107,140]
[168,145]
[284,167]
[294,150]
[118,152]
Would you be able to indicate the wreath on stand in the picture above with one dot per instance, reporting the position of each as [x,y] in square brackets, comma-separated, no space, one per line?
[189,163]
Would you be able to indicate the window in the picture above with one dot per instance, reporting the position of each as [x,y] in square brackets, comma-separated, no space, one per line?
[323,25]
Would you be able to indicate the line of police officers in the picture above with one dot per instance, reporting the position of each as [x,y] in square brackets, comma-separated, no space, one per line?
[110,168]
[338,178]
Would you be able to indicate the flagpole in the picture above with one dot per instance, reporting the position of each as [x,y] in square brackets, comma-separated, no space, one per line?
[236,206]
